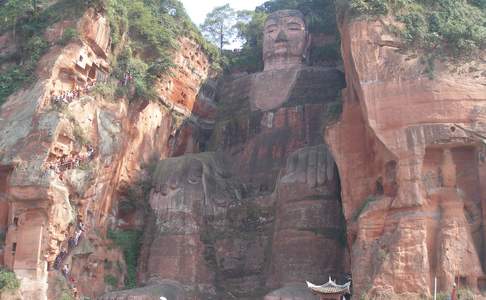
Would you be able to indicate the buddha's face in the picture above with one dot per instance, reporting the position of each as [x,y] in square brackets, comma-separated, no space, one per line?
[285,39]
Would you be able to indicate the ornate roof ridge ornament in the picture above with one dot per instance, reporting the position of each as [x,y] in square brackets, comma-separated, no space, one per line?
[330,287]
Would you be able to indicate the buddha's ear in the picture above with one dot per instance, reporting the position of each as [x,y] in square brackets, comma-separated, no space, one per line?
[306,54]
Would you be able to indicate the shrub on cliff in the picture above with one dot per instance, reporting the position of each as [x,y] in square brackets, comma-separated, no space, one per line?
[18,75]
[67,295]
[106,90]
[150,27]
[465,294]
[111,280]
[29,37]
[68,35]
[454,28]
[129,242]
[369,7]
[149,30]
[8,280]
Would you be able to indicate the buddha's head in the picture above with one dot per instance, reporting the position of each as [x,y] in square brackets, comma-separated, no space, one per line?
[285,39]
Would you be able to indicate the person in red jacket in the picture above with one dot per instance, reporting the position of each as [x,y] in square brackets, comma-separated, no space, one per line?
[454,292]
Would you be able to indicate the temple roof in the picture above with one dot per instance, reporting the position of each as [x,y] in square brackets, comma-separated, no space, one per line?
[330,287]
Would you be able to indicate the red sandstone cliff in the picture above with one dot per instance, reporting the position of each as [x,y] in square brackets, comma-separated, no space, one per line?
[45,196]
[410,153]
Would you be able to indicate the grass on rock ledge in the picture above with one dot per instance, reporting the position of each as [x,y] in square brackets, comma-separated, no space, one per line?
[8,281]
[454,29]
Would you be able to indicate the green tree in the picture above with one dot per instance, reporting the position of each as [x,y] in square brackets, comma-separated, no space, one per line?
[249,28]
[445,28]
[12,11]
[218,27]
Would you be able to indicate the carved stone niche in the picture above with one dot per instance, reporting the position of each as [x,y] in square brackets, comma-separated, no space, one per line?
[452,186]
[4,174]
[24,242]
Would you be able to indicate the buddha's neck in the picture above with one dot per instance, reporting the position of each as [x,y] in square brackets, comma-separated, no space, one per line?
[282,63]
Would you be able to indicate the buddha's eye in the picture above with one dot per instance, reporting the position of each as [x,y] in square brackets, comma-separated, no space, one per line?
[271,29]
[294,27]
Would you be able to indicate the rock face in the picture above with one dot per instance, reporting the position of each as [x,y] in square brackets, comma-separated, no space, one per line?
[44,205]
[410,155]
[309,236]
[46,195]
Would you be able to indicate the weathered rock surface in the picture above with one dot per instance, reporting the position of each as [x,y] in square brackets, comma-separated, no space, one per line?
[410,155]
[309,236]
[42,206]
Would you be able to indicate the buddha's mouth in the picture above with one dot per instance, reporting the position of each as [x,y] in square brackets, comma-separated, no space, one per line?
[280,47]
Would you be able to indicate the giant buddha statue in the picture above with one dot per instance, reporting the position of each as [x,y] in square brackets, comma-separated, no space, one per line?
[260,214]
[271,124]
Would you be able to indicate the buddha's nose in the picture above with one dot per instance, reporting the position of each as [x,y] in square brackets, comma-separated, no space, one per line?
[281,37]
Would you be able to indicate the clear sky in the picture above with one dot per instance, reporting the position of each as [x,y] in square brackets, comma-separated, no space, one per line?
[197,9]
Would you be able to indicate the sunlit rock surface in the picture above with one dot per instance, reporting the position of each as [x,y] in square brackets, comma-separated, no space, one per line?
[410,152]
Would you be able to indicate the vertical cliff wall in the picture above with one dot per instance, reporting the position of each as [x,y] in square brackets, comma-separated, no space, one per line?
[67,162]
[410,155]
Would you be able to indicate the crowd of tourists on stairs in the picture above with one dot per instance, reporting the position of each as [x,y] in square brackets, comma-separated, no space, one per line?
[67,163]
[73,242]
[65,97]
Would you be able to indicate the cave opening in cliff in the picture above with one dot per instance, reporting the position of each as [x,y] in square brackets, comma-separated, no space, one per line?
[452,182]
[92,72]
[5,172]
